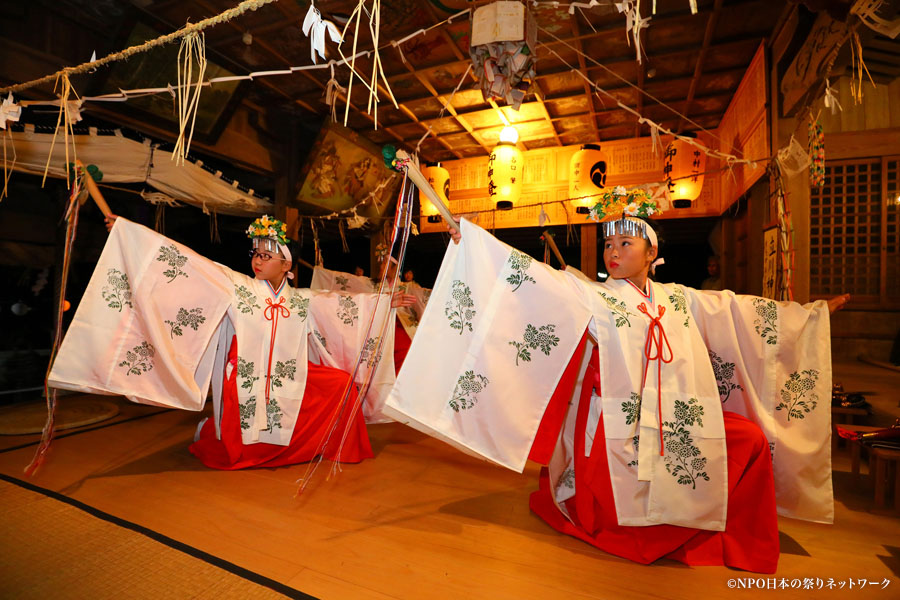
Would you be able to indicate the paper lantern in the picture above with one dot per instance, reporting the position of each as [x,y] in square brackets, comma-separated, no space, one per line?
[505,167]
[439,179]
[588,169]
[684,169]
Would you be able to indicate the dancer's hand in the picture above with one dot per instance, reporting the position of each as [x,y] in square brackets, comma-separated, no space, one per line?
[110,220]
[399,299]
[455,234]
[837,303]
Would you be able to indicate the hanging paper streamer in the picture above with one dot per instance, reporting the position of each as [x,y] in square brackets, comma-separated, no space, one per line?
[193,50]
[816,154]
[831,100]
[634,22]
[9,111]
[315,27]
[503,41]
[867,11]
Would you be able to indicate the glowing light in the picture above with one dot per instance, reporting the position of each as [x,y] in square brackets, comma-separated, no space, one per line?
[509,134]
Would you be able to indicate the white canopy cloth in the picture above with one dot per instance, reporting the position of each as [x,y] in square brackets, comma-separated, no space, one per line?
[500,328]
[123,160]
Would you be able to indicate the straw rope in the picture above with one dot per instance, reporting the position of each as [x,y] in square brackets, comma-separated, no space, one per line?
[131,51]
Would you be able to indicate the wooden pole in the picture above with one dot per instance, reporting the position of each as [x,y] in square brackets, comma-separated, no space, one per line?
[417,178]
[589,250]
[552,244]
[94,191]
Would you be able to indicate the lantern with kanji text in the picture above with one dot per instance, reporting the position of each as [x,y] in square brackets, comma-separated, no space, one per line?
[684,169]
[505,170]
[588,169]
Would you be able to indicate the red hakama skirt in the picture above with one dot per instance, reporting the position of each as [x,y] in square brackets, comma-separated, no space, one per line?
[750,539]
[321,402]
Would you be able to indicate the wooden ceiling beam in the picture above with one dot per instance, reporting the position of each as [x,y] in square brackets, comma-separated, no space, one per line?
[582,65]
[698,68]
[445,103]
[575,115]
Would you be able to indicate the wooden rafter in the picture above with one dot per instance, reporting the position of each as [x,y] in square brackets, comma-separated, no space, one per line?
[698,68]
[582,66]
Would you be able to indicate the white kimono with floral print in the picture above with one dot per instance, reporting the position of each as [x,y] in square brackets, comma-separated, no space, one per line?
[500,329]
[156,323]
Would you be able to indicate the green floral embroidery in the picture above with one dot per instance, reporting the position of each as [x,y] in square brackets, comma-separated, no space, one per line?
[347,311]
[341,281]
[618,308]
[175,259]
[632,409]
[300,305]
[767,321]
[683,459]
[245,370]
[567,479]
[322,340]
[247,411]
[467,386]
[519,263]
[247,301]
[635,442]
[139,359]
[273,415]
[460,309]
[794,399]
[679,302]
[192,318]
[368,352]
[724,372]
[118,292]
[534,338]
[284,370]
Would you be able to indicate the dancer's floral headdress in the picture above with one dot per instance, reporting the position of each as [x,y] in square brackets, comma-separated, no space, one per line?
[270,234]
[619,211]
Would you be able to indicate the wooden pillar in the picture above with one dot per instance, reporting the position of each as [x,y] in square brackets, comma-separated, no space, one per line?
[589,250]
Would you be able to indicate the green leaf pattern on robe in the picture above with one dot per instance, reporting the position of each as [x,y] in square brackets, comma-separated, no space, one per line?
[118,293]
[174,259]
[797,397]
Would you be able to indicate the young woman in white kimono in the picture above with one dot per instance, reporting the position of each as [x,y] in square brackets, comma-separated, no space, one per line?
[158,323]
[650,459]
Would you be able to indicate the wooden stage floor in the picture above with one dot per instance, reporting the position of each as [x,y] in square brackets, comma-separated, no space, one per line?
[419,521]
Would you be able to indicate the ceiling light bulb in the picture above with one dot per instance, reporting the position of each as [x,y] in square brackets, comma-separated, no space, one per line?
[509,135]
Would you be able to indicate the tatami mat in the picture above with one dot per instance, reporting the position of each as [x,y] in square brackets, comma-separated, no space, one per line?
[55,549]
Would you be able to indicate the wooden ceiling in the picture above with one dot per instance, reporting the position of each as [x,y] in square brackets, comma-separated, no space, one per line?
[693,64]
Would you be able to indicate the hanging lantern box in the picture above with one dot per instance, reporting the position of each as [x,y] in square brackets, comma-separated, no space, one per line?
[588,169]
[685,165]
[503,41]
[439,179]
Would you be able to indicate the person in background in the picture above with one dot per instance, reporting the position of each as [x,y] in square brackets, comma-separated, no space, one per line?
[714,281]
